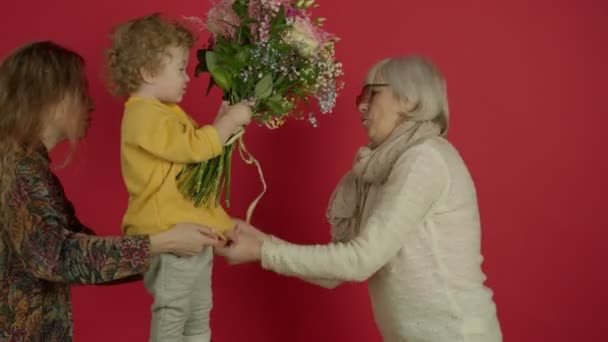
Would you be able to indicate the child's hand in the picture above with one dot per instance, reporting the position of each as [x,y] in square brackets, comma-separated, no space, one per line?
[230,118]
[240,113]
[184,239]
[243,247]
[222,110]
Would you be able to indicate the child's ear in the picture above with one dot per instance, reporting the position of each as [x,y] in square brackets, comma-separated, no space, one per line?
[146,75]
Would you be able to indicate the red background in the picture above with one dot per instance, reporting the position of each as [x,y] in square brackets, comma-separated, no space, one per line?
[527,84]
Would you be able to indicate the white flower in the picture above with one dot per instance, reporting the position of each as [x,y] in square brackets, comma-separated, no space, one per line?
[305,36]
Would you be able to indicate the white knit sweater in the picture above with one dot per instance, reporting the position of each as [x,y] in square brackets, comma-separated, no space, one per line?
[419,249]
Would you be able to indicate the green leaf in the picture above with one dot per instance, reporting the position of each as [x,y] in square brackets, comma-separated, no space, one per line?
[277,28]
[301,95]
[228,156]
[211,58]
[240,8]
[221,48]
[243,34]
[280,18]
[275,97]
[233,47]
[263,88]
[282,47]
[234,97]
[288,107]
[239,88]
[279,23]
[243,56]
[222,78]
[279,80]
[278,106]
[221,57]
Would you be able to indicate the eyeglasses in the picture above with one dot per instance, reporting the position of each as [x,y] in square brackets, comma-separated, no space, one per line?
[368,92]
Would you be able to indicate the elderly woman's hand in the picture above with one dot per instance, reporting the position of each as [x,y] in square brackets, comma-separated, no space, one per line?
[245,228]
[245,244]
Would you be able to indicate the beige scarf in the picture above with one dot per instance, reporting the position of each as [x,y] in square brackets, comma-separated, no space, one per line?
[371,167]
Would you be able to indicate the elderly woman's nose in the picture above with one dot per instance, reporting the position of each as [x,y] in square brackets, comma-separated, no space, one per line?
[363,107]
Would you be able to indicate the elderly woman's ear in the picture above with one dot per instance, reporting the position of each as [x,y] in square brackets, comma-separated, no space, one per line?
[407,105]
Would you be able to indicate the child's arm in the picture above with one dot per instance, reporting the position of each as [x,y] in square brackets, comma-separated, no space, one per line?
[164,136]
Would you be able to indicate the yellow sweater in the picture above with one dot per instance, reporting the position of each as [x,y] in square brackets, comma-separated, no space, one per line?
[156,141]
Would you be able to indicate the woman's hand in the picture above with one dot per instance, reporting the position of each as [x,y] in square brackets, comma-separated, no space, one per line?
[184,239]
[245,244]
[245,228]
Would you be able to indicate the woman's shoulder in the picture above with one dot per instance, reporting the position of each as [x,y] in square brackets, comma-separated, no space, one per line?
[35,161]
[434,155]
[33,174]
[433,147]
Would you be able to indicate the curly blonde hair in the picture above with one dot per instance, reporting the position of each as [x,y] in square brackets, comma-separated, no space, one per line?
[142,43]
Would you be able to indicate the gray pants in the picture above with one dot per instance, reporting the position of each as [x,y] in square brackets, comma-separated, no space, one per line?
[181,287]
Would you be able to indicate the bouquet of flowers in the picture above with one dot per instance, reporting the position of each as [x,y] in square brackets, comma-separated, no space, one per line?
[273,54]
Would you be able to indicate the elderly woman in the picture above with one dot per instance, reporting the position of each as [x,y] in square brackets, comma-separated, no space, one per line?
[405,218]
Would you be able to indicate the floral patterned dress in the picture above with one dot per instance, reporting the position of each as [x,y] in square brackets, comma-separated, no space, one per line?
[45,248]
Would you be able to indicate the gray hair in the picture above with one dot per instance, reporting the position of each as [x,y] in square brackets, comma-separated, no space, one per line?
[418,80]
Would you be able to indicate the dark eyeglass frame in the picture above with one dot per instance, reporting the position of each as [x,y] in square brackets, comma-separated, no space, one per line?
[365,95]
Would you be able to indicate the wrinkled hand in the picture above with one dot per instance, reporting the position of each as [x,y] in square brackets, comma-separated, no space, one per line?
[245,244]
[245,228]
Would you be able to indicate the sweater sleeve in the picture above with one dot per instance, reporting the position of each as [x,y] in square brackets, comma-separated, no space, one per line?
[414,185]
[52,243]
[163,135]
[326,283]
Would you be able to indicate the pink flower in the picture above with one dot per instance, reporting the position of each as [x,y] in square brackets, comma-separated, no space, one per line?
[221,19]
[263,11]
[292,12]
